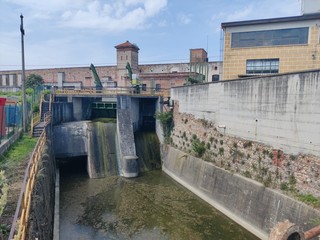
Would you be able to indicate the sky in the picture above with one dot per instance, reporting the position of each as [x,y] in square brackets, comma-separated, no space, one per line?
[71,33]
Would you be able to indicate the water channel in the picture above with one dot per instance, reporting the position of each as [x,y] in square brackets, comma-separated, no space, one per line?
[152,206]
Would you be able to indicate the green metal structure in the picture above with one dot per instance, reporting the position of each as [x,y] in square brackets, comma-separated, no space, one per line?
[96,77]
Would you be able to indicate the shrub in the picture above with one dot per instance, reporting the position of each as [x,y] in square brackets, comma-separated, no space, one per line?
[247,174]
[166,119]
[271,155]
[284,186]
[221,151]
[308,198]
[198,147]
[3,191]
[247,144]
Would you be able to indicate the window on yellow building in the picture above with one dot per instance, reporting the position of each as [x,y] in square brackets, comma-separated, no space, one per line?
[262,66]
[290,36]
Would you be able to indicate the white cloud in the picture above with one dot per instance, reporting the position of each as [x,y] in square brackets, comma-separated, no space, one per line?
[249,10]
[119,16]
[184,18]
[112,15]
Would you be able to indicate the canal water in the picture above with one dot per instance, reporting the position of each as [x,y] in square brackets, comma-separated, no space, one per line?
[152,206]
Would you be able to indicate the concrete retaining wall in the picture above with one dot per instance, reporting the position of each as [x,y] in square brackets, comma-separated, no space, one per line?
[41,219]
[62,112]
[70,139]
[247,202]
[127,150]
[7,143]
[282,111]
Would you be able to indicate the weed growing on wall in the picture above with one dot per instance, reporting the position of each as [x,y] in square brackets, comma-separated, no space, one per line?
[198,147]
[3,191]
[166,120]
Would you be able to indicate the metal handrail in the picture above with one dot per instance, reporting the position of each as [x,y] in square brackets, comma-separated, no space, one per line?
[35,120]
[47,117]
[114,91]
[19,224]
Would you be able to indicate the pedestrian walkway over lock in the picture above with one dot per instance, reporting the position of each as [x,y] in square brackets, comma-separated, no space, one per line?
[86,92]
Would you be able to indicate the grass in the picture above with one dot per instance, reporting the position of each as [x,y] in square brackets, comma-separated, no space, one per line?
[17,152]
[308,198]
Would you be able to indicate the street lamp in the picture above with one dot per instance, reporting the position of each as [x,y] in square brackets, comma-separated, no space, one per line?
[24,102]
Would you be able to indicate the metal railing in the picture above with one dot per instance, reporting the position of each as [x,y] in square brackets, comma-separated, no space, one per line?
[19,224]
[115,91]
[34,121]
[20,221]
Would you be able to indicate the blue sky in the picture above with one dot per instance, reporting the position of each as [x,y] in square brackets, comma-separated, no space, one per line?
[62,33]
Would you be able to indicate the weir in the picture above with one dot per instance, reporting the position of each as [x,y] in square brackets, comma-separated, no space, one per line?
[110,149]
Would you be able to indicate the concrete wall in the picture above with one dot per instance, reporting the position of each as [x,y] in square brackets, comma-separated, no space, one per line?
[102,155]
[281,111]
[135,110]
[62,112]
[127,150]
[7,143]
[247,202]
[70,139]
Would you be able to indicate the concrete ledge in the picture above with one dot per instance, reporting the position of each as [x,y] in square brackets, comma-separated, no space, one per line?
[4,146]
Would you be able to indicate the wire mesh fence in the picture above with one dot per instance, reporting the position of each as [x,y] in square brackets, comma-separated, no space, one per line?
[10,120]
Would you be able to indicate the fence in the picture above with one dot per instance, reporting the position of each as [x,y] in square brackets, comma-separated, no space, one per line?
[19,225]
[10,120]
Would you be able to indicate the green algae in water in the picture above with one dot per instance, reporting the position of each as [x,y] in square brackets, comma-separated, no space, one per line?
[151,206]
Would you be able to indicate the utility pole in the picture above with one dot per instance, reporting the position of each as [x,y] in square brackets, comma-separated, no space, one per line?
[23,80]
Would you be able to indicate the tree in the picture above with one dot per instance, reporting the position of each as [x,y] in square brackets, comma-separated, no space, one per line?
[33,81]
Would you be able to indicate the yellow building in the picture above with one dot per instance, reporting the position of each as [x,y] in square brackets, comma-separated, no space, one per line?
[271,46]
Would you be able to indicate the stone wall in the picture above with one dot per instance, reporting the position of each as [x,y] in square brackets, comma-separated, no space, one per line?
[41,218]
[294,174]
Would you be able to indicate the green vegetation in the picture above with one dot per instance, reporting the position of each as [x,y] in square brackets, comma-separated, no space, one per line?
[221,151]
[3,191]
[198,147]
[9,162]
[33,81]
[105,120]
[247,174]
[166,119]
[17,152]
[310,199]
[247,144]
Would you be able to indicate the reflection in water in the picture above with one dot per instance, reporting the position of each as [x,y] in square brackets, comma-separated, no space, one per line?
[151,206]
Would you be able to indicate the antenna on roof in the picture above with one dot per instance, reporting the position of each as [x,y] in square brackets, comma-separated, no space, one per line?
[207,46]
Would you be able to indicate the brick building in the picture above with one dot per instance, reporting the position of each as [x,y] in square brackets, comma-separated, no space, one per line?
[270,46]
[151,75]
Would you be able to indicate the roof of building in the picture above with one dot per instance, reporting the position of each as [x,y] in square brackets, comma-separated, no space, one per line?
[305,17]
[127,44]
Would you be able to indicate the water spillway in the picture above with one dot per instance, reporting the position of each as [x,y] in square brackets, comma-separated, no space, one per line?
[102,154]
[148,151]
[151,206]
